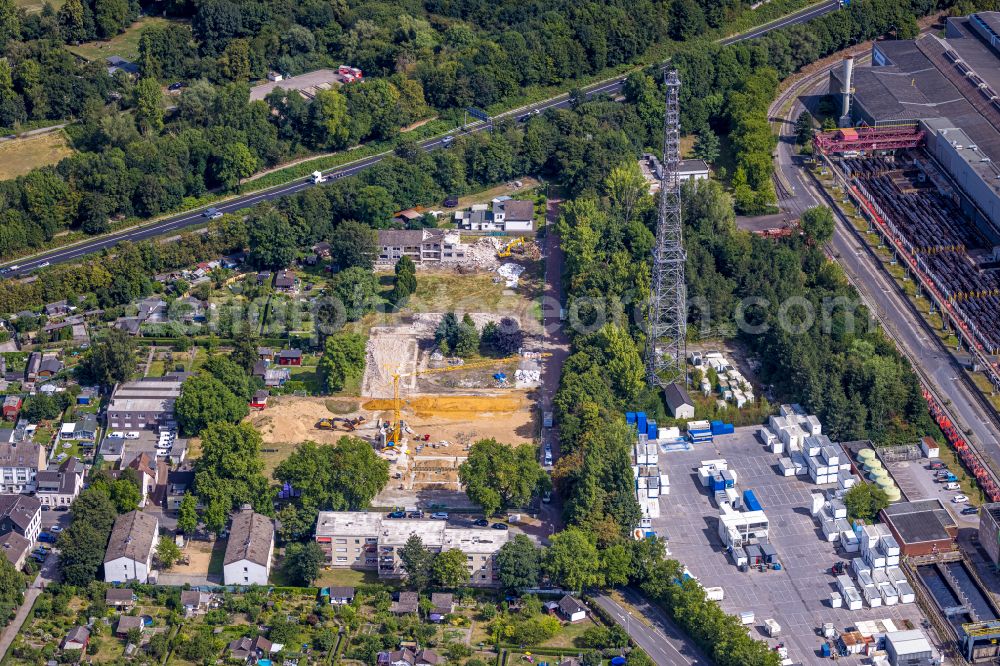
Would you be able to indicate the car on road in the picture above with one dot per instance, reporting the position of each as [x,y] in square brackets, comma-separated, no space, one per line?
[547,497]
[398,514]
[960,499]
[44,264]
[499,526]
[447,140]
[969,511]
[212,213]
[482,522]
[439,515]
[177,85]
[548,457]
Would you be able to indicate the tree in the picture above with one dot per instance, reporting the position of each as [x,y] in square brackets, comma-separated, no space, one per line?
[818,224]
[343,358]
[187,514]
[450,568]
[706,146]
[125,492]
[302,562]
[272,241]
[110,360]
[804,128]
[504,338]
[81,552]
[232,375]
[148,100]
[358,290]
[245,345]
[572,560]
[94,507]
[344,476]
[687,19]
[864,501]
[12,584]
[405,282]
[230,472]
[466,342]
[353,245]
[497,476]
[331,123]
[519,562]
[235,163]
[205,400]
[167,552]
[417,562]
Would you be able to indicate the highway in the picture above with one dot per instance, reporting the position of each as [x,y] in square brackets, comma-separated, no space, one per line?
[935,364]
[191,218]
[654,632]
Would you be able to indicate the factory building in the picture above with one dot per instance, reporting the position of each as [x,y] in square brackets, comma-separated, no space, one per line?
[947,87]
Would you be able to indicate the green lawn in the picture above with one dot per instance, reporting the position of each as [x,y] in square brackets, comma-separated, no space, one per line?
[346,577]
[125,45]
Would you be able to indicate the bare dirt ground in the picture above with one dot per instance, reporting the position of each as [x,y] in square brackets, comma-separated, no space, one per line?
[199,554]
[406,349]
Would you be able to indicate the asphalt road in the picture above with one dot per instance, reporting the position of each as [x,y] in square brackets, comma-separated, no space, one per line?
[936,364]
[191,218]
[49,573]
[656,633]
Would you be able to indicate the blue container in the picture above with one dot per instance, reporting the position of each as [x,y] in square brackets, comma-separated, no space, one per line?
[718,482]
[715,424]
[651,430]
[750,501]
[640,419]
[618,661]
[727,476]
[630,418]
[777,566]
[824,649]
[726,429]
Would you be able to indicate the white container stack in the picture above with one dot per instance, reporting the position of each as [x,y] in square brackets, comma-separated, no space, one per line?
[879,564]
[786,466]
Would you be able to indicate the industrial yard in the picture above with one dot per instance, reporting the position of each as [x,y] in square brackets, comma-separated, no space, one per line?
[798,595]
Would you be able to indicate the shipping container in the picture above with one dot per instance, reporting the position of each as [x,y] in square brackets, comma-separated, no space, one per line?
[750,500]
[630,418]
[714,593]
[836,600]
[754,554]
[770,553]
[640,419]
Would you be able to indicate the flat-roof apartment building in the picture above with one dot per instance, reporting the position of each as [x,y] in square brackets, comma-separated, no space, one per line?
[144,403]
[361,540]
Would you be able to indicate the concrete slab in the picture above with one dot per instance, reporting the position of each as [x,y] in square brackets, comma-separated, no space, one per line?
[797,597]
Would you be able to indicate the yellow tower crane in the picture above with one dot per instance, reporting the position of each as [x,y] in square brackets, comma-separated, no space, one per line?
[396,435]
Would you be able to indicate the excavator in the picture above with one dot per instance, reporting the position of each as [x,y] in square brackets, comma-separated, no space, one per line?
[396,433]
[509,247]
[349,424]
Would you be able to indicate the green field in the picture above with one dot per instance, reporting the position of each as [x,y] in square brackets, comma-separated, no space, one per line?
[125,45]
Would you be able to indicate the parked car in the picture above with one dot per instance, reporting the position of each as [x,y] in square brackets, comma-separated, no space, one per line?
[952,486]
[56,528]
[439,515]
[451,202]
[960,499]
[177,85]
[398,514]
[935,465]
[415,514]
[969,511]
[46,537]
[482,522]
[499,526]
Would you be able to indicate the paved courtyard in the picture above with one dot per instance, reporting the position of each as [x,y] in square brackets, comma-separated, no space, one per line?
[797,597]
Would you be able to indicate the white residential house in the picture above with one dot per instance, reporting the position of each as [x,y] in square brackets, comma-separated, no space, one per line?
[514,215]
[249,550]
[20,460]
[59,485]
[130,550]
[21,514]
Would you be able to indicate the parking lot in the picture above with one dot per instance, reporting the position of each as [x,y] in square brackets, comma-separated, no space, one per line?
[797,597]
[917,482]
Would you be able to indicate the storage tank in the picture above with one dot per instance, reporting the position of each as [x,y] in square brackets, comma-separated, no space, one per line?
[864,455]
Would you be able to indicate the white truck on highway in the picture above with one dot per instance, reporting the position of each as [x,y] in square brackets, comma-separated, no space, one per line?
[318,177]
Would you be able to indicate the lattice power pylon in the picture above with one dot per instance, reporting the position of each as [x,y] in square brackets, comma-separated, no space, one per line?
[665,344]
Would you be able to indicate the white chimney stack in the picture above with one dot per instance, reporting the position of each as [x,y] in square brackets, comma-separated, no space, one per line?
[848,86]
